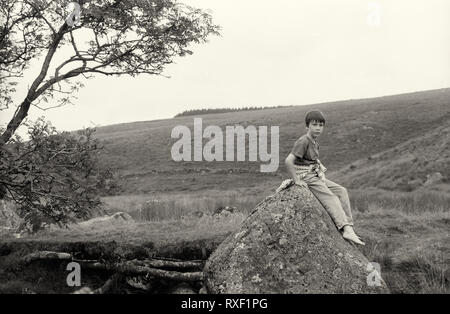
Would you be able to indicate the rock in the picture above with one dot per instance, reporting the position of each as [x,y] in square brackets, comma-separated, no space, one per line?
[193,215]
[116,217]
[289,244]
[229,209]
[122,215]
[433,178]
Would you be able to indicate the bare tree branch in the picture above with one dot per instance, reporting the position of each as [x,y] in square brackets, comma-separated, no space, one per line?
[129,37]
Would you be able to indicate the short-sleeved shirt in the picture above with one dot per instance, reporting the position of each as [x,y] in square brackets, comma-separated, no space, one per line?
[305,150]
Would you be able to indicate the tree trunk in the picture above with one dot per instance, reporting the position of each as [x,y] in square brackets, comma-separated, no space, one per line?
[15,122]
[22,110]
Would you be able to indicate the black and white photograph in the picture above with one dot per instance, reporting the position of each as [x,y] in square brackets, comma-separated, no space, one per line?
[214,148]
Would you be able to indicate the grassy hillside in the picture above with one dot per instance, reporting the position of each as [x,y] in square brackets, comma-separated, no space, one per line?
[407,166]
[355,130]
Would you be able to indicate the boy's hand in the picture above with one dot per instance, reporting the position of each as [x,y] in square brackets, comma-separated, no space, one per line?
[301,183]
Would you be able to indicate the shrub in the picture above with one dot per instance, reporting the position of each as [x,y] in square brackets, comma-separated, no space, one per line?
[54,177]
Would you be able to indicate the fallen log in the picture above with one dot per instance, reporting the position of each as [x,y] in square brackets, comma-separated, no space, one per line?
[46,255]
[162,258]
[157,263]
[130,268]
[50,255]
[140,267]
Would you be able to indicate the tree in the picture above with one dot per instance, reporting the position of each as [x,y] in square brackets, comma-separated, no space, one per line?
[55,177]
[126,37]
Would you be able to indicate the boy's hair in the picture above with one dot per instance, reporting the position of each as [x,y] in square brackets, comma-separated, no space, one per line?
[314,115]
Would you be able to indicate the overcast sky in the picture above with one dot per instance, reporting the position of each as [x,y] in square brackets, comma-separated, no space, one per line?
[284,52]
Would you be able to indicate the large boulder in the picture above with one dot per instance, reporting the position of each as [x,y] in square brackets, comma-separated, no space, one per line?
[289,244]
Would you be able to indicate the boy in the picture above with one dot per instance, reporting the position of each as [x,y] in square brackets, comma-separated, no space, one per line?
[306,170]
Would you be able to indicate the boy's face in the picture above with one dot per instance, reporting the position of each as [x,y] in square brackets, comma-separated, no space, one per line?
[315,128]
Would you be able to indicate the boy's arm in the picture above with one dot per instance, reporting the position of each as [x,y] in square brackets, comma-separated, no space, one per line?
[289,162]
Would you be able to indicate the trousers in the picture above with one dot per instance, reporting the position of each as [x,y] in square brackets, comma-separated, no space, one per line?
[333,197]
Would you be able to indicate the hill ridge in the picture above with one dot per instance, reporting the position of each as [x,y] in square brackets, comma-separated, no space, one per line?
[445,89]
[354,130]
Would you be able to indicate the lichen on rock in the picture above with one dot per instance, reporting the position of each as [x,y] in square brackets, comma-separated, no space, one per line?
[288,244]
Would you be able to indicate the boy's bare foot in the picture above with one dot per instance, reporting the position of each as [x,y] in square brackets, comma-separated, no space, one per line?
[342,230]
[349,234]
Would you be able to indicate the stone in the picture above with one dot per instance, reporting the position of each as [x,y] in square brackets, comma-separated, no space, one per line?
[114,218]
[221,209]
[122,215]
[289,244]
[436,177]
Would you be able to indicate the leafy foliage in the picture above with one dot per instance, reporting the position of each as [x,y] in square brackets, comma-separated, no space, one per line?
[55,176]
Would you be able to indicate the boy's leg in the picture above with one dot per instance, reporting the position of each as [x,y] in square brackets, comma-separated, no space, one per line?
[328,199]
[341,192]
